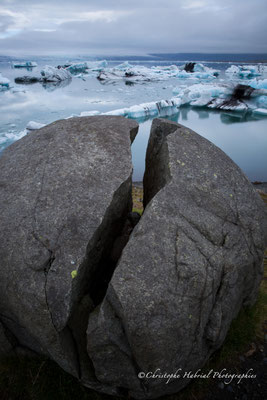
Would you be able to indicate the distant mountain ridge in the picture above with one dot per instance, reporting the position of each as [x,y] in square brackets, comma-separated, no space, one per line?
[242,57]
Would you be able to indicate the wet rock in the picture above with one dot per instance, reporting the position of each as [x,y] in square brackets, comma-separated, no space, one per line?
[65,192]
[189,67]
[192,261]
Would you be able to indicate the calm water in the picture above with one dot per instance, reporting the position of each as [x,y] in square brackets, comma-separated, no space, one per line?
[243,139]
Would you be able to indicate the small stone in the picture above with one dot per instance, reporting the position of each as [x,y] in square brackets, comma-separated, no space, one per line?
[221,385]
[241,358]
[230,389]
[265,360]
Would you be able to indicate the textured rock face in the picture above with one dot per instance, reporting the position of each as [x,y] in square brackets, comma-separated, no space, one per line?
[65,191]
[192,261]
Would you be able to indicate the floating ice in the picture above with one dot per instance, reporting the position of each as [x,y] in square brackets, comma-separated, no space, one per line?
[245,71]
[89,113]
[201,94]
[4,83]
[135,73]
[97,65]
[33,125]
[157,108]
[260,111]
[94,66]
[77,68]
[26,64]
[198,70]
[226,97]
[262,84]
[262,101]
[10,137]
[52,74]
[124,66]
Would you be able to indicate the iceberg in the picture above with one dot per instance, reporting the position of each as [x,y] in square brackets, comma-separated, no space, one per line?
[261,84]
[225,97]
[97,65]
[10,137]
[124,66]
[201,94]
[52,74]
[4,83]
[193,68]
[89,113]
[245,71]
[77,68]
[136,73]
[94,66]
[161,108]
[262,102]
[33,126]
[260,111]
[26,64]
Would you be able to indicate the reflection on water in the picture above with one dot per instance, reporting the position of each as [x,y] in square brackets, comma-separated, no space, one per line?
[51,86]
[231,118]
[246,144]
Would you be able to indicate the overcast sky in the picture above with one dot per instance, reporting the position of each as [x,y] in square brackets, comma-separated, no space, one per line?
[112,27]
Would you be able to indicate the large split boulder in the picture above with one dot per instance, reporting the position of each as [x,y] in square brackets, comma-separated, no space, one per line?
[191,263]
[65,192]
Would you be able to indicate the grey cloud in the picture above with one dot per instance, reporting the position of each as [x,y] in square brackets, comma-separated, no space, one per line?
[151,26]
[5,22]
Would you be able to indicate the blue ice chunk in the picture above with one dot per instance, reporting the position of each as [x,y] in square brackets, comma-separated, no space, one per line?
[124,66]
[77,68]
[4,83]
[26,64]
[262,84]
[262,101]
[52,74]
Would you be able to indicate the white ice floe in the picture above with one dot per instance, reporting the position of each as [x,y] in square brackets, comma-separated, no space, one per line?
[4,83]
[260,111]
[94,66]
[77,68]
[136,73]
[157,108]
[225,97]
[52,74]
[26,64]
[33,125]
[12,136]
[261,102]
[201,94]
[89,113]
[258,84]
[245,71]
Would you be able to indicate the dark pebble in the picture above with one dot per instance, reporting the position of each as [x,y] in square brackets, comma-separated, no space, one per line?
[221,385]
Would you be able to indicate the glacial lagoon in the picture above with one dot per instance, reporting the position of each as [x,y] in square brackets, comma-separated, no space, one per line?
[240,134]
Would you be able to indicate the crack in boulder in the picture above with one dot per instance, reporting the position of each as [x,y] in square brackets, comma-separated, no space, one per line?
[108,296]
